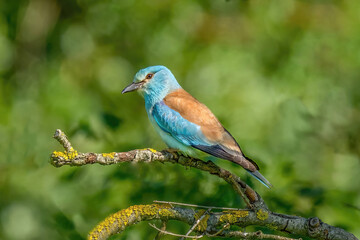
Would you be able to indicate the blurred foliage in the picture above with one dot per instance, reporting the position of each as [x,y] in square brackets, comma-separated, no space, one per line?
[282,76]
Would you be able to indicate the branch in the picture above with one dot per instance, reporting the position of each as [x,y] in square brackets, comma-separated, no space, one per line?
[174,234]
[160,233]
[73,158]
[215,222]
[202,221]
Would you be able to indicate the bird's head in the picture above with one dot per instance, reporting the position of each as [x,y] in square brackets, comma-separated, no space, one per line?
[154,81]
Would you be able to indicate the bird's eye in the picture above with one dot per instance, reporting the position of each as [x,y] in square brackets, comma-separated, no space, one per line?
[149,76]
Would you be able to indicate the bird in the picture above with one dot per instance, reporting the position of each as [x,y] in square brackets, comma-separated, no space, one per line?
[184,123]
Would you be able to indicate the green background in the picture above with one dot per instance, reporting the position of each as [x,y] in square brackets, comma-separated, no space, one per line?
[282,76]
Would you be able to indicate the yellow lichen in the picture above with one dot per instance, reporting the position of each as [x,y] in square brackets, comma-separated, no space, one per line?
[201,227]
[165,213]
[66,155]
[272,226]
[57,154]
[72,154]
[127,217]
[151,209]
[150,149]
[262,214]
[233,216]
[110,155]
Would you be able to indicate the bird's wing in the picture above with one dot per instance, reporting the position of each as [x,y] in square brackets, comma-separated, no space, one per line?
[178,127]
[193,124]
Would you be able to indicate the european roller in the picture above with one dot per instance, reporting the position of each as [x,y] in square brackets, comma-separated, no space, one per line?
[184,123]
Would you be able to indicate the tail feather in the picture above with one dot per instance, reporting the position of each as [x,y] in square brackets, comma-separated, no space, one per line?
[261,178]
[250,166]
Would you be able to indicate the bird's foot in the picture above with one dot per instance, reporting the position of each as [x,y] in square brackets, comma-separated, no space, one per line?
[175,152]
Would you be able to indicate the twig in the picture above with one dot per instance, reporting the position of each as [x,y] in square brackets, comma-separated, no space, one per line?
[197,223]
[218,233]
[62,138]
[163,228]
[258,235]
[240,192]
[174,234]
[195,205]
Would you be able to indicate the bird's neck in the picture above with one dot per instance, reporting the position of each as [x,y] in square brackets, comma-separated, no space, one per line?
[155,97]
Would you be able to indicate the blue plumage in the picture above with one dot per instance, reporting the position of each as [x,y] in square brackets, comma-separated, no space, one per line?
[183,122]
[173,123]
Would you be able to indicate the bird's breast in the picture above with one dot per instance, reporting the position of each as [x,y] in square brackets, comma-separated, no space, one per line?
[172,142]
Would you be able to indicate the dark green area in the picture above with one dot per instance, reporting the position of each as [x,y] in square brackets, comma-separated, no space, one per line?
[282,76]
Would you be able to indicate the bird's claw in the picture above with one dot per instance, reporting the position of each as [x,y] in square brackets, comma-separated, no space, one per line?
[173,151]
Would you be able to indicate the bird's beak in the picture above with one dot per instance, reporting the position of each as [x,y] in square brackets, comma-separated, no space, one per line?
[132,87]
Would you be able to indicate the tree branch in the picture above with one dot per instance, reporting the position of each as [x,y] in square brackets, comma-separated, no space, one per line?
[203,221]
[215,221]
[174,234]
[73,158]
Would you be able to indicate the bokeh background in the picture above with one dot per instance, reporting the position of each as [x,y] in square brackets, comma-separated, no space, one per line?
[282,76]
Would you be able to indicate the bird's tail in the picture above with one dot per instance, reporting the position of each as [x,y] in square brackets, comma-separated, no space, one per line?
[251,166]
[261,178]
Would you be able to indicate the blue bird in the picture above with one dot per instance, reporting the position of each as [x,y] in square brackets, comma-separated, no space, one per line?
[184,123]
